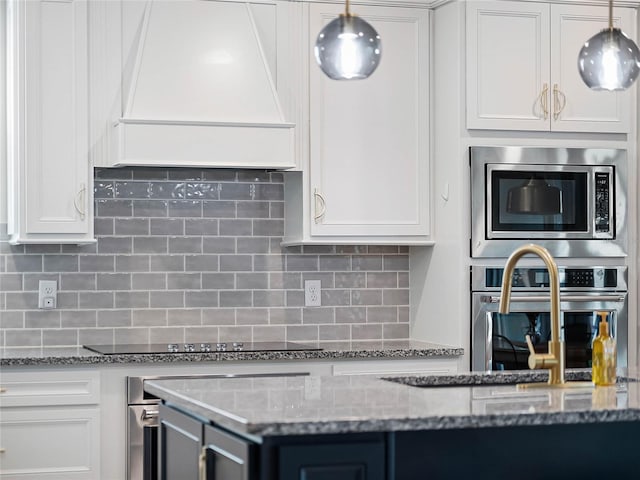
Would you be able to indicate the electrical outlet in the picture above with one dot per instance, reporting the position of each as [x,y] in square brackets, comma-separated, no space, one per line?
[47,294]
[312,293]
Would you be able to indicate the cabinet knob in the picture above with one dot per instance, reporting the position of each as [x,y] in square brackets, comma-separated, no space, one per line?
[3,390]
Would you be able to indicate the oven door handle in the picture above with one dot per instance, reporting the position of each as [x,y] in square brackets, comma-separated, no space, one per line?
[563,298]
[149,414]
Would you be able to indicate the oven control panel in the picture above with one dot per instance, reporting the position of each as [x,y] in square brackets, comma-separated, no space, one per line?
[531,278]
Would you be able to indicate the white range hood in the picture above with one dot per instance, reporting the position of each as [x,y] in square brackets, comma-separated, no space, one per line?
[201,91]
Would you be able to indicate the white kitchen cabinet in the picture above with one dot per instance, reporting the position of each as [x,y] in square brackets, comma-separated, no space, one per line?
[367,174]
[50,180]
[50,423]
[522,69]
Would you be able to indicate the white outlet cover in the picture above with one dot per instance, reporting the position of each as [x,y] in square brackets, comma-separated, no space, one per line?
[47,293]
[312,293]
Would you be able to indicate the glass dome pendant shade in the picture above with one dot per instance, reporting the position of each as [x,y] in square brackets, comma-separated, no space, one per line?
[348,48]
[609,60]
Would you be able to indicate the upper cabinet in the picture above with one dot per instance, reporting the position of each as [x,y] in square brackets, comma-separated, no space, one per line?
[50,182]
[198,84]
[522,69]
[367,175]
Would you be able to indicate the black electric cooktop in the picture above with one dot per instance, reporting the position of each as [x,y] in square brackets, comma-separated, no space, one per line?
[200,347]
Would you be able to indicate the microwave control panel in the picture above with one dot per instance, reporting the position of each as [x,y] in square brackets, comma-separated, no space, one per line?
[603,192]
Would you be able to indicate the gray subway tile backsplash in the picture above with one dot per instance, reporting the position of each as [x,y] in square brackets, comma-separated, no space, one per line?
[10,282]
[54,338]
[42,319]
[13,319]
[150,245]
[194,254]
[131,226]
[113,281]
[236,298]
[285,316]
[97,263]
[218,316]
[23,263]
[81,281]
[115,318]
[268,298]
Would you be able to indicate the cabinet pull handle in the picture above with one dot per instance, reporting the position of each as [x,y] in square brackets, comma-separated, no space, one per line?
[2,450]
[317,196]
[3,390]
[202,464]
[543,101]
[80,196]
[559,101]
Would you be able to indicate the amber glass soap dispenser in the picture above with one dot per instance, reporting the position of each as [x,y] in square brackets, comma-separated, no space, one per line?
[604,355]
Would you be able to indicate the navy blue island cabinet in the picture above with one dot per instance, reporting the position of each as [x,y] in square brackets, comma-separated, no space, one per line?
[192,448]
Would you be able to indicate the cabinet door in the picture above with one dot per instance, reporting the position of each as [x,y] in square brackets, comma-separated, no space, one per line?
[339,461]
[180,445]
[228,457]
[575,107]
[50,183]
[369,152]
[508,65]
[50,443]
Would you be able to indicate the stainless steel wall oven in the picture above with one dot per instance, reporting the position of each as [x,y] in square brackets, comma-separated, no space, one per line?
[498,340]
[571,201]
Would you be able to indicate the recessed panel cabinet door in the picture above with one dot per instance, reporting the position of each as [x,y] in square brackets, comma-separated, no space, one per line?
[508,65]
[369,152]
[575,107]
[50,182]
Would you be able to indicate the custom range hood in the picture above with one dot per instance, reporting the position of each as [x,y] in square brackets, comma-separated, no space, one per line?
[198,88]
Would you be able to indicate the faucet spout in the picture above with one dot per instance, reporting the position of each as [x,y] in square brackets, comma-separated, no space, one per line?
[553,360]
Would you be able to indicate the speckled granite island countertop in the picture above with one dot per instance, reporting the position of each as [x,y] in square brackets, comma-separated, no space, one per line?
[259,407]
[81,356]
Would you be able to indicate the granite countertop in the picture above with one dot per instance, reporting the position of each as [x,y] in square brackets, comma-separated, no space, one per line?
[258,407]
[346,350]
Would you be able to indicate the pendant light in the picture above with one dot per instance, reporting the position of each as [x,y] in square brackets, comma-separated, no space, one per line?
[348,48]
[609,60]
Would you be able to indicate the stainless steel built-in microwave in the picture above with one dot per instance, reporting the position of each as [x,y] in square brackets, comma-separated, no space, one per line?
[570,200]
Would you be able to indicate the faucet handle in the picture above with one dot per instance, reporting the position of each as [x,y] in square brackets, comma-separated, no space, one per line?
[539,360]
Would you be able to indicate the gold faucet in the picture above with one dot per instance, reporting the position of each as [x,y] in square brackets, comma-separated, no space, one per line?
[554,359]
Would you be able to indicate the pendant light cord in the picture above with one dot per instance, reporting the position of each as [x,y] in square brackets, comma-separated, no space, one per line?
[610,14]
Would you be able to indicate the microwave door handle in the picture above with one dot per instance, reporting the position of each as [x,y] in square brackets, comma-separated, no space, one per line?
[563,298]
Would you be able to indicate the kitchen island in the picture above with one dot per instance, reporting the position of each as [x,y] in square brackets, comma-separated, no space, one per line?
[363,427]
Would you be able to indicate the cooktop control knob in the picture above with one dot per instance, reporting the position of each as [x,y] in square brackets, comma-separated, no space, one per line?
[238,346]
[221,347]
[172,347]
[189,347]
[205,347]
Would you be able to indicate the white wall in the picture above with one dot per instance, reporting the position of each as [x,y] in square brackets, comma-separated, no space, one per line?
[3,117]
